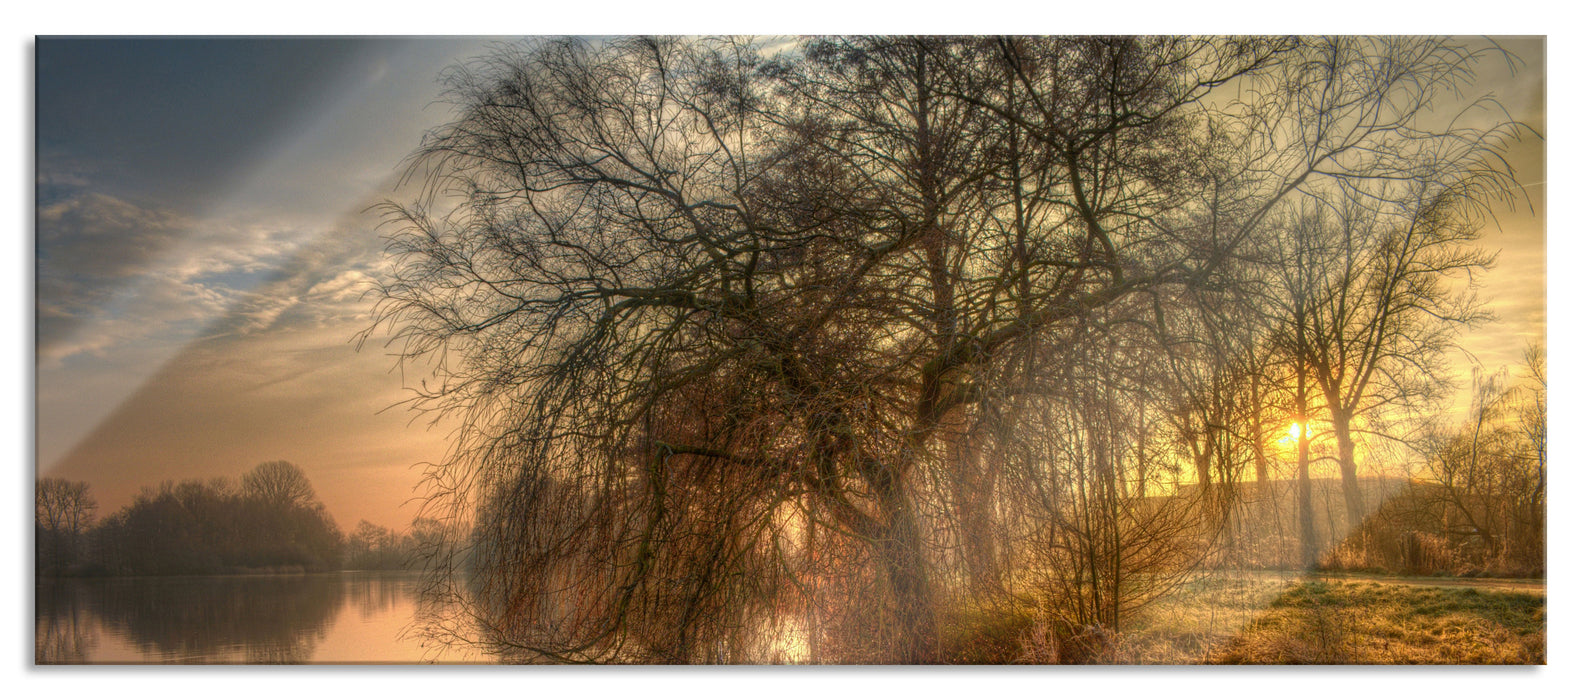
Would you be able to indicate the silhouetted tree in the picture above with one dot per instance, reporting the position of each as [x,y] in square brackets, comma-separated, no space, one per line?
[278,483]
[196,527]
[63,505]
[63,512]
[371,546]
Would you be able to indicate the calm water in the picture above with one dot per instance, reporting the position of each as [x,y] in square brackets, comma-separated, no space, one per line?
[339,618]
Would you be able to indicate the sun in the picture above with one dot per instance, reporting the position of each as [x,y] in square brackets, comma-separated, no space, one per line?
[1296,430]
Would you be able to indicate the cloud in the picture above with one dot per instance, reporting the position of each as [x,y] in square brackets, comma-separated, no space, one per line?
[59,176]
[258,312]
[91,246]
[127,290]
[99,236]
[346,286]
[111,272]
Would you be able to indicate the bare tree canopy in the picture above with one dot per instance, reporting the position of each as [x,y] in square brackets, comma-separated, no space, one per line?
[62,505]
[280,483]
[826,345]
[63,512]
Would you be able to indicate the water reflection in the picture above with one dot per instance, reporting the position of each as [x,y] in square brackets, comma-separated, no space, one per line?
[66,635]
[330,618]
[378,595]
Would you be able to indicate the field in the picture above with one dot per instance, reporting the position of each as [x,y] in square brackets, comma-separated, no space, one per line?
[1271,618]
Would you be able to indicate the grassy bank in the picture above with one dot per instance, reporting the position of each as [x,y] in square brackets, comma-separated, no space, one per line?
[1274,618]
[1315,622]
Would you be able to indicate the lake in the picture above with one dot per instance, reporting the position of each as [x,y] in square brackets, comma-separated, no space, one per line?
[336,618]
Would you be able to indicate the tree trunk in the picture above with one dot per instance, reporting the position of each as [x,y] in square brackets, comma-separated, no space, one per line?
[973,488]
[1205,478]
[1348,470]
[1260,465]
[900,551]
[1307,539]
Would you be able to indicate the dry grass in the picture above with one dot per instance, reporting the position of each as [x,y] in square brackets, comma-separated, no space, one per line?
[1318,622]
[1272,619]
[1182,628]
[1186,626]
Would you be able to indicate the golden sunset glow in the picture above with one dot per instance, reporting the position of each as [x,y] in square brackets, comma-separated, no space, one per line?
[1296,430]
[851,350]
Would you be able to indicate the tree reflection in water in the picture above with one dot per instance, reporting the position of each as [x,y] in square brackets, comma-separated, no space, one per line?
[376,595]
[200,619]
[63,632]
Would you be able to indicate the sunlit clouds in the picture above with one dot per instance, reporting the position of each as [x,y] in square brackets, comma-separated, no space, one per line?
[113,273]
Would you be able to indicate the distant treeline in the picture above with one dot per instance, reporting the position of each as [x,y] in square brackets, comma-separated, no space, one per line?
[270,520]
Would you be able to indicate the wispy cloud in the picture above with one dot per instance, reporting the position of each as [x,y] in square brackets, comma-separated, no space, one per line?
[349,285]
[112,272]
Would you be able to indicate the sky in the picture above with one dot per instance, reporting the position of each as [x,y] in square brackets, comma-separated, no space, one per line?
[204,242]
[1515,289]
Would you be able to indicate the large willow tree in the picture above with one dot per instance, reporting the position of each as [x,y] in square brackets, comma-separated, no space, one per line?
[741,346]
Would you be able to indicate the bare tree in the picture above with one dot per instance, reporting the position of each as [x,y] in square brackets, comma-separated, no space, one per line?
[1092,458]
[739,343]
[1298,279]
[1490,481]
[1533,424]
[63,511]
[279,483]
[62,505]
[1395,240]
[1386,317]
